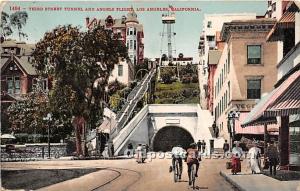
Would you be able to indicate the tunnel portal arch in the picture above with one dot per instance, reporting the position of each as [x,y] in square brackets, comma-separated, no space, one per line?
[170,136]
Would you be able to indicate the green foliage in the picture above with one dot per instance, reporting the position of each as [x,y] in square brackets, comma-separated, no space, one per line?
[27,114]
[16,20]
[115,102]
[80,63]
[177,93]
[166,74]
[114,86]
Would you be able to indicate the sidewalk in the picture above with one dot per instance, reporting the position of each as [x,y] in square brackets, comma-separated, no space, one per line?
[259,182]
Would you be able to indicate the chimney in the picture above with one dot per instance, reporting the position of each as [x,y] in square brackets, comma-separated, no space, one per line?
[87,21]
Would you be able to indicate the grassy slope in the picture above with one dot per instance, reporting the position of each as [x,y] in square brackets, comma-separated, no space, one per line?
[172,93]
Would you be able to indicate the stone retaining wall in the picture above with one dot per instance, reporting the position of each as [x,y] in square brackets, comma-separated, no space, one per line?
[32,151]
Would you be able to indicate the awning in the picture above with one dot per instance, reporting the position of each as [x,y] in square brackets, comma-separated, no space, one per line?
[286,21]
[256,116]
[107,125]
[288,103]
[254,130]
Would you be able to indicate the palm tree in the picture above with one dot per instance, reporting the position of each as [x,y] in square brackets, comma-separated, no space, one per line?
[5,25]
[16,20]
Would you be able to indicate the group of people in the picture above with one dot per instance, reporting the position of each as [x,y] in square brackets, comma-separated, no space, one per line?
[271,159]
[141,152]
[191,156]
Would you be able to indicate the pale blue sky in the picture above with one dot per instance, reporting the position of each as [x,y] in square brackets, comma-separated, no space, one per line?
[188,25]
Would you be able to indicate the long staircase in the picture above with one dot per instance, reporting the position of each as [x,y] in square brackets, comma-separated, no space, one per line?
[124,115]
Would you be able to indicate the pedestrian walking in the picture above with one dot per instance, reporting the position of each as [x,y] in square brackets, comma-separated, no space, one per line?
[203,146]
[112,149]
[225,147]
[217,132]
[254,160]
[237,153]
[272,156]
[199,145]
[129,150]
[139,153]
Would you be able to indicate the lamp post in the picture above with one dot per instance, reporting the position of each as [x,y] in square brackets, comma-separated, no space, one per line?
[232,116]
[48,118]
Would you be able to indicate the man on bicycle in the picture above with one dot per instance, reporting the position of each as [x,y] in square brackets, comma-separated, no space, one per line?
[178,153]
[193,157]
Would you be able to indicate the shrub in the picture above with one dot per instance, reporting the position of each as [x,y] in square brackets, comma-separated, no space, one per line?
[195,79]
[186,79]
[166,74]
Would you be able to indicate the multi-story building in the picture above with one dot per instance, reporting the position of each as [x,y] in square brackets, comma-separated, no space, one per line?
[212,25]
[282,105]
[276,8]
[18,76]
[130,32]
[246,69]
[128,29]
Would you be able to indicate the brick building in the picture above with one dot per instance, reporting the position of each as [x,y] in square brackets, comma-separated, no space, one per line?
[245,72]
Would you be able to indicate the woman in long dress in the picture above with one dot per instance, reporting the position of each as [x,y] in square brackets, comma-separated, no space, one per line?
[237,153]
[254,154]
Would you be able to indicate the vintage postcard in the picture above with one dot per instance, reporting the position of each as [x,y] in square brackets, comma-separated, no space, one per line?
[150,95]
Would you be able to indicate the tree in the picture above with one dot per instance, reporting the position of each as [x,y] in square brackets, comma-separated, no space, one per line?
[16,20]
[27,113]
[114,86]
[166,74]
[80,63]
[5,25]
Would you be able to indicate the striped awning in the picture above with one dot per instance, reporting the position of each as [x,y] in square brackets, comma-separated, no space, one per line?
[288,103]
[254,130]
[256,116]
[286,21]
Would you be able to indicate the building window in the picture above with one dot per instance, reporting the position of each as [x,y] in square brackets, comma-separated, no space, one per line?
[210,38]
[209,24]
[228,92]
[134,44]
[134,32]
[130,31]
[13,85]
[253,89]
[42,83]
[274,7]
[127,44]
[10,85]
[17,85]
[222,77]
[131,45]
[226,99]
[120,70]
[228,64]
[225,69]
[253,54]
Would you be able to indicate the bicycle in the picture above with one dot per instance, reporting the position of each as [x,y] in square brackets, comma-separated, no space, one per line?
[176,171]
[193,175]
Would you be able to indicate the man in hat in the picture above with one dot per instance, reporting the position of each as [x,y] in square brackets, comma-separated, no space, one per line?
[254,160]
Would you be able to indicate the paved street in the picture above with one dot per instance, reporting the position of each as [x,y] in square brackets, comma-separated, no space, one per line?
[128,175]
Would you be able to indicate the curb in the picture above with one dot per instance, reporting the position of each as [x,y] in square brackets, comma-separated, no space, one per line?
[101,158]
[232,182]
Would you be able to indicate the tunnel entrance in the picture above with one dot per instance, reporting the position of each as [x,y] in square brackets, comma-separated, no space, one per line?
[168,137]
